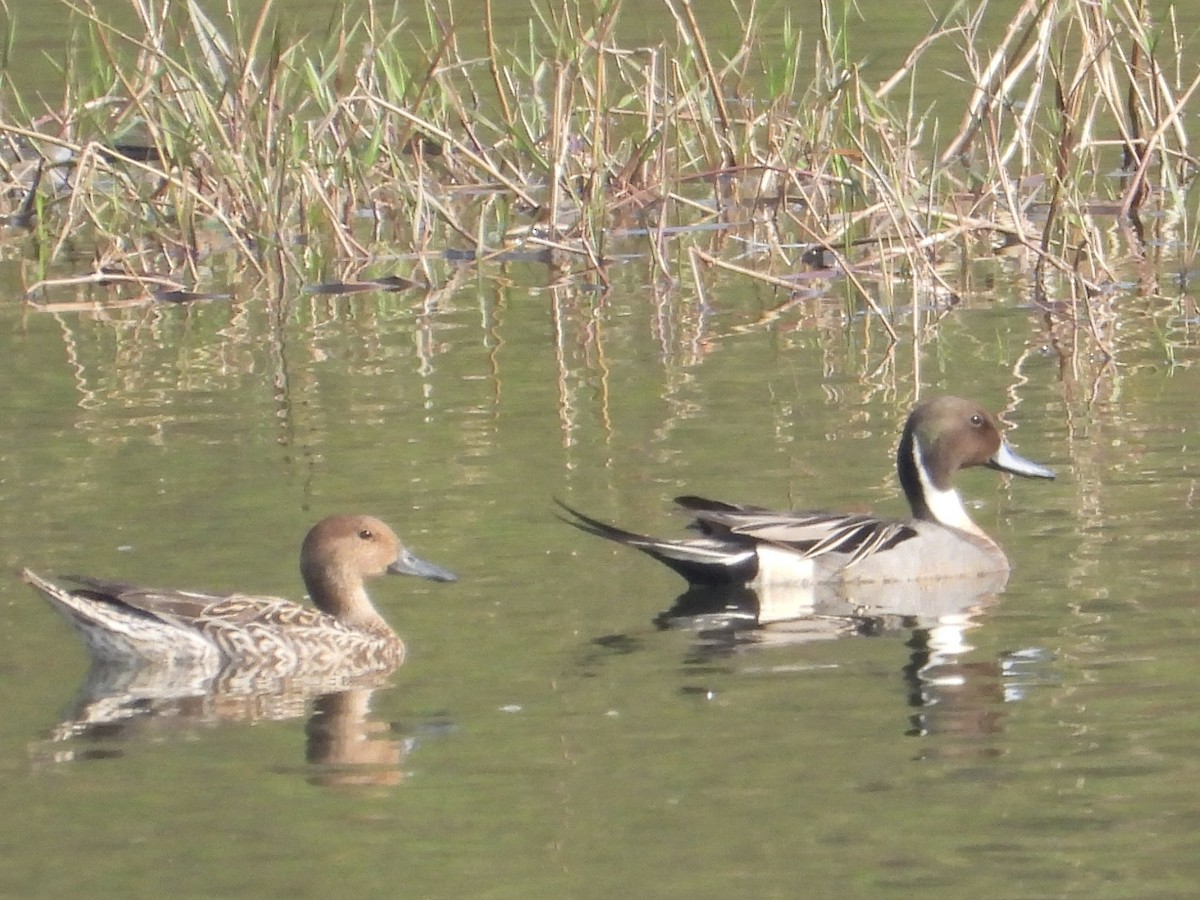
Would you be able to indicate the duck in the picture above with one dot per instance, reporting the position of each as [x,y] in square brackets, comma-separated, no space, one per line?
[120,623]
[757,547]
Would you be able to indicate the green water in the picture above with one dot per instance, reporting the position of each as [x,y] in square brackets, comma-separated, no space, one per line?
[557,742]
[551,740]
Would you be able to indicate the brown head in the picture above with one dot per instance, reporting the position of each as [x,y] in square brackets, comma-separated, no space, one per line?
[340,552]
[946,434]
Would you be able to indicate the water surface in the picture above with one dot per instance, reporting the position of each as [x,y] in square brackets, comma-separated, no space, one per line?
[551,738]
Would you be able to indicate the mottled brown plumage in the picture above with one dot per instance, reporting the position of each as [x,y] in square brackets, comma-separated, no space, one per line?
[344,633]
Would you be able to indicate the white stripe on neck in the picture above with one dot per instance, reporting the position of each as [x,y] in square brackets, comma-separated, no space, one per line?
[945,506]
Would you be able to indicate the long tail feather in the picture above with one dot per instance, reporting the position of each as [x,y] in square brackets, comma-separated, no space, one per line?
[702,561]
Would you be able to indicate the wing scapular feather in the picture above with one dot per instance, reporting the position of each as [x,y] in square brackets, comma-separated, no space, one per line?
[811,534]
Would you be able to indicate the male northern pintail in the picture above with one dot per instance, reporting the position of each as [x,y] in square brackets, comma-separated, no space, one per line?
[755,546]
[122,622]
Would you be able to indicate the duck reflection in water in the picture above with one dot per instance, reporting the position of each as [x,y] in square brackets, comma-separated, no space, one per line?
[956,699]
[121,707]
[167,659]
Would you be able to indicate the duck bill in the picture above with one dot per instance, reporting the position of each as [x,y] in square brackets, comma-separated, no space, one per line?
[1005,460]
[409,564]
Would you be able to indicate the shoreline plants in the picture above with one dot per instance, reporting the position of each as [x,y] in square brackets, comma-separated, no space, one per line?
[188,137]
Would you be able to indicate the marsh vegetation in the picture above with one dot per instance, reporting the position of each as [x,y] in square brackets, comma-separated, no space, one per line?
[190,153]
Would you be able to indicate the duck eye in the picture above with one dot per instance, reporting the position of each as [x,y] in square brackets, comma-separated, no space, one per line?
[976,420]
[366,534]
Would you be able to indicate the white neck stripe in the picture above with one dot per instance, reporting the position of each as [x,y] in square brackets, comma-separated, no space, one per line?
[945,506]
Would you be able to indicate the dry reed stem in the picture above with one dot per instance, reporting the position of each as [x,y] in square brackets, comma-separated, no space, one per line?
[285,146]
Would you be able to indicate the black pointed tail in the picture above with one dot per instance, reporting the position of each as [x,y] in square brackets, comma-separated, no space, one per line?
[702,561]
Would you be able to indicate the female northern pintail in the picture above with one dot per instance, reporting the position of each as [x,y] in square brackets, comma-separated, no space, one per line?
[121,622]
[754,546]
